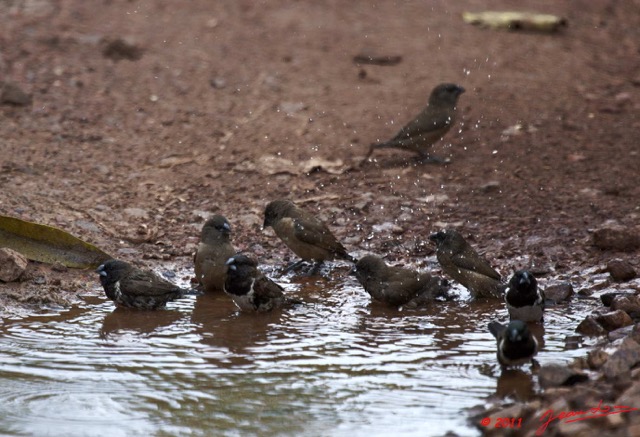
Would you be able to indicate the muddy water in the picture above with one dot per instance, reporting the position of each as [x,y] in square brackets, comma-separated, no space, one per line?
[336,366]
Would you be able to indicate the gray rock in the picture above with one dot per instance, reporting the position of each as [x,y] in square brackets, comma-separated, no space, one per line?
[607,298]
[557,375]
[119,49]
[635,333]
[574,429]
[630,304]
[218,82]
[11,94]
[620,270]
[623,332]
[614,320]
[615,237]
[596,358]
[559,292]
[590,327]
[630,397]
[12,265]
[622,360]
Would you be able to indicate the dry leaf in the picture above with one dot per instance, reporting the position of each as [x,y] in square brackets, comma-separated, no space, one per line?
[271,164]
[516,20]
[48,244]
[331,167]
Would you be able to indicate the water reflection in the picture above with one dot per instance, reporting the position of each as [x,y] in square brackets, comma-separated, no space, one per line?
[126,320]
[516,384]
[333,366]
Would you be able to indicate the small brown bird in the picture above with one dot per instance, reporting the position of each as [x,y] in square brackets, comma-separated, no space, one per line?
[430,125]
[250,289]
[304,234]
[460,261]
[131,287]
[214,250]
[397,286]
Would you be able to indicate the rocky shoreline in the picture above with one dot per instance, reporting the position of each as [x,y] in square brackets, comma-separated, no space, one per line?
[598,394]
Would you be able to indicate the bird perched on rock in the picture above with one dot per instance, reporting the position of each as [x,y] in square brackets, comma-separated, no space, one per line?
[397,286]
[250,289]
[516,345]
[430,125]
[214,250]
[525,301]
[460,261]
[304,234]
[131,287]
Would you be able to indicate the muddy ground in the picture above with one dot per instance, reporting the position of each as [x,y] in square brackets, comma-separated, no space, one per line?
[147,117]
[131,148]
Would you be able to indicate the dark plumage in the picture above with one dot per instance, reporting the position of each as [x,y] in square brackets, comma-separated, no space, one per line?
[462,263]
[250,289]
[397,286]
[516,345]
[214,250]
[525,301]
[430,125]
[131,287]
[304,234]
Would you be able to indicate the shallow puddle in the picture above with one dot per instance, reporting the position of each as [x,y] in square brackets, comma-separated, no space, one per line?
[337,366]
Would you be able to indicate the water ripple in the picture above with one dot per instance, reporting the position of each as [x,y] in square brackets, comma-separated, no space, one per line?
[330,367]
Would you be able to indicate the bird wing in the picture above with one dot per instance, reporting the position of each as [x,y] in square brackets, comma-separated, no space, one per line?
[496,329]
[404,284]
[427,121]
[265,287]
[148,284]
[476,264]
[315,233]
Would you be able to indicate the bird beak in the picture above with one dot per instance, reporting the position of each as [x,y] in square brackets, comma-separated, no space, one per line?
[461,90]
[436,237]
[100,270]
[226,227]
[514,336]
[353,270]
[230,264]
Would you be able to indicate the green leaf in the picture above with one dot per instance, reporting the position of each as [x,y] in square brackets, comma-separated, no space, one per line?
[48,244]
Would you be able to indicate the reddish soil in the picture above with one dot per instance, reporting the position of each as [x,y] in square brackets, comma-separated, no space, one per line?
[133,154]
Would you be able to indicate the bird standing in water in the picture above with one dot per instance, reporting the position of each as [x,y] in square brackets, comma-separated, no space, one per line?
[397,286]
[131,287]
[214,250]
[525,301]
[250,289]
[516,345]
[304,234]
[460,261]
